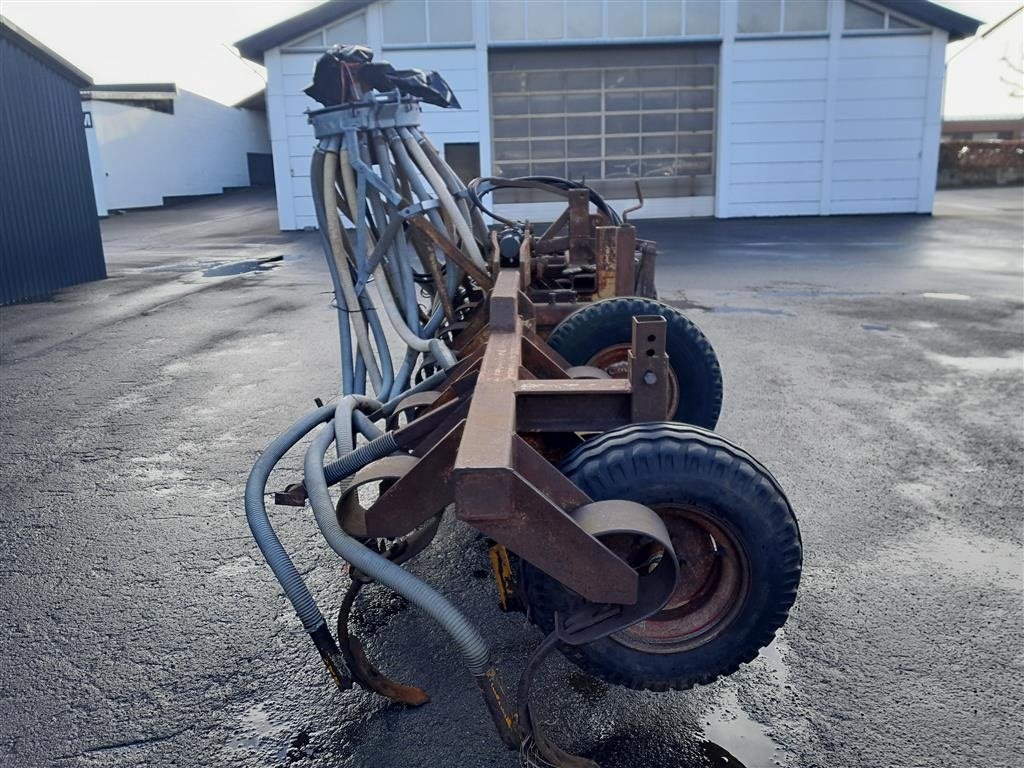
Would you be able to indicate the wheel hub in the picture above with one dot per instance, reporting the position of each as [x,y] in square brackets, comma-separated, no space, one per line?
[713,584]
[614,361]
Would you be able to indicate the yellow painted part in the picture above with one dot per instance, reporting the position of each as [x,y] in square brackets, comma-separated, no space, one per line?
[499,693]
[502,573]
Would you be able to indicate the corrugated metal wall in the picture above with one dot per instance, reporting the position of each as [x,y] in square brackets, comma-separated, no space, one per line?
[49,231]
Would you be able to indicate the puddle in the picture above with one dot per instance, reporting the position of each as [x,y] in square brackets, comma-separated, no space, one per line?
[218,268]
[925,324]
[241,267]
[742,741]
[727,737]
[947,296]
[1011,362]
[801,293]
[874,327]
[752,311]
[774,659]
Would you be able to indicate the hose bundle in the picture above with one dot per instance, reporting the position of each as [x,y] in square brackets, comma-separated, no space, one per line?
[404,240]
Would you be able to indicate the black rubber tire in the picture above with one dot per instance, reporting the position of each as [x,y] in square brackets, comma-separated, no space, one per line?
[665,463]
[605,323]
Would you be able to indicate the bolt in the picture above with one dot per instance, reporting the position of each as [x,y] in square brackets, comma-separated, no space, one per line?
[650,378]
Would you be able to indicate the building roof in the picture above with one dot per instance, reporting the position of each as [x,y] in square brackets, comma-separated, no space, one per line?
[16,35]
[255,101]
[253,47]
[958,25]
[136,87]
[126,93]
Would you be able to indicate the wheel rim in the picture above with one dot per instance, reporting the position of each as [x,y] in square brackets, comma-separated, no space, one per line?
[714,579]
[614,361]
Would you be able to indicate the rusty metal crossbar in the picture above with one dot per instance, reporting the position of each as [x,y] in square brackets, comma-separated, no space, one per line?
[480,455]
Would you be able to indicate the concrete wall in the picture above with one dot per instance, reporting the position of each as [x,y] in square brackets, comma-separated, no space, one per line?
[147,155]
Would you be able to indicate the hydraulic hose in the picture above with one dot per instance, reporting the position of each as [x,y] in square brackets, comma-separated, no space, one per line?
[353,201]
[387,173]
[331,163]
[316,172]
[465,636]
[412,340]
[455,185]
[447,201]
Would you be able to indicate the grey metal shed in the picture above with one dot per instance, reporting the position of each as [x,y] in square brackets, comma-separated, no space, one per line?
[49,231]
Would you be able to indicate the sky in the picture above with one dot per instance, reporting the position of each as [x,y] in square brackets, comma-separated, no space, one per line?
[190,42]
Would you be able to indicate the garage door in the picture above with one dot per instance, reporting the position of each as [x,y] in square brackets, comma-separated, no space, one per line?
[609,116]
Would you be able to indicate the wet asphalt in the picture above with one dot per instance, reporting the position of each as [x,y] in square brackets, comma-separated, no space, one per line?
[873,363]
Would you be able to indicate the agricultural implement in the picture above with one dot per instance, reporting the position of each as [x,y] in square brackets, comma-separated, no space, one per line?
[540,390]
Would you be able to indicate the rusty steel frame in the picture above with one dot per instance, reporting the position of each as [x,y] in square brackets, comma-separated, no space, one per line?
[473,452]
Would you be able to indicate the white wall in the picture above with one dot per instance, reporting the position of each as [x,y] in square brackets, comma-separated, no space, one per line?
[830,125]
[773,136]
[888,123]
[291,137]
[806,124]
[147,155]
[95,162]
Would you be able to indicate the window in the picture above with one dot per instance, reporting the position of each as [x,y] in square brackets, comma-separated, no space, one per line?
[451,21]
[664,18]
[316,40]
[412,22]
[861,17]
[522,20]
[464,159]
[405,21]
[864,18]
[760,16]
[806,16]
[625,19]
[349,31]
[776,16]
[702,17]
[585,19]
[507,19]
[545,25]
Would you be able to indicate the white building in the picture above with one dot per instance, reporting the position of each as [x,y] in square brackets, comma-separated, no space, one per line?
[150,141]
[720,107]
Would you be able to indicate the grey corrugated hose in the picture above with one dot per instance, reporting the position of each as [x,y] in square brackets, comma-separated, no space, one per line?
[377,567]
[259,522]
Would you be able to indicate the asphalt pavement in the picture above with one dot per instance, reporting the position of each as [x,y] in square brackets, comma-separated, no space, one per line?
[873,363]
